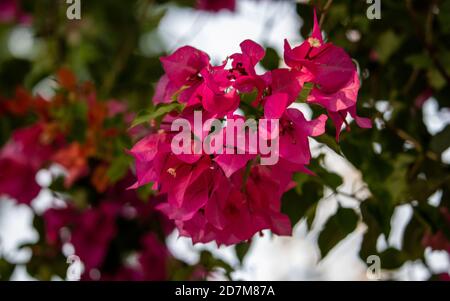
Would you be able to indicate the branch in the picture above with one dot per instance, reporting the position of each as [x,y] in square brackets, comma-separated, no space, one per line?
[426,38]
[325,11]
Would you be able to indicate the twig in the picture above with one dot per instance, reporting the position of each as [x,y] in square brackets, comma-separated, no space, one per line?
[408,138]
[325,11]
[426,38]
[124,54]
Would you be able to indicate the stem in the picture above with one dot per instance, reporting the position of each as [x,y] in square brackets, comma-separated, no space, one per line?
[426,38]
[124,54]
[324,12]
[248,169]
[119,64]
[408,138]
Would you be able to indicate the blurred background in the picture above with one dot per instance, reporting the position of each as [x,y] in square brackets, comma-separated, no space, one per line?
[395,176]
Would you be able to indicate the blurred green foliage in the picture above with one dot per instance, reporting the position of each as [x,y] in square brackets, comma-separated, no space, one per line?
[404,60]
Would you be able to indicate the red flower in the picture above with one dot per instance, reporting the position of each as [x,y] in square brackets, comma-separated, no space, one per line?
[216,5]
[333,75]
[20,159]
[10,11]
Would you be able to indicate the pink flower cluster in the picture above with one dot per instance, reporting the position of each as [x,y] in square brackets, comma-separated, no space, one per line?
[216,5]
[228,198]
[11,12]
[20,160]
[331,70]
[438,240]
[94,232]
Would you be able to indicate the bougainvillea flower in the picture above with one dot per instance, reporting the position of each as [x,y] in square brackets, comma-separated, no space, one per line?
[182,74]
[235,154]
[184,64]
[216,5]
[215,94]
[275,105]
[439,240]
[94,230]
[153,258]
[152,263]
[330,65]
[343,99]
[340,117]
[55,219]
[243,68]
[230,163]
[340,104]
[296,57]
[251,54]
[164,90]
[186,185]
[226,196]
[150,154]
[263,192]
[284,88]
[238,223]
[239,215]
[11,11]
[333,74]
[283,81]
[17,180]
[20,160]
[20,105]
[294,133]
[93,234]
[74,159]
[332,68]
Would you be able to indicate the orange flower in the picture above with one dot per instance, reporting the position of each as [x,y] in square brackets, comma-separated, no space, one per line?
[66,79]
[100,179]
[74,159]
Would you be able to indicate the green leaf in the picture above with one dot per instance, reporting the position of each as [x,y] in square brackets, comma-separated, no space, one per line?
[329,141]
[241,250]
[118,168]
[443,16]
[387,45]
[301,202]
[336,229]
[208,261]
[435,78]
[293,206]
[412,239]
[157,113]
[441,141]
[271,60]
[377,214]
[329,179]
[6,269]
[419,61]
[306,90]
[392,259]
[369,242]
[141,117]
